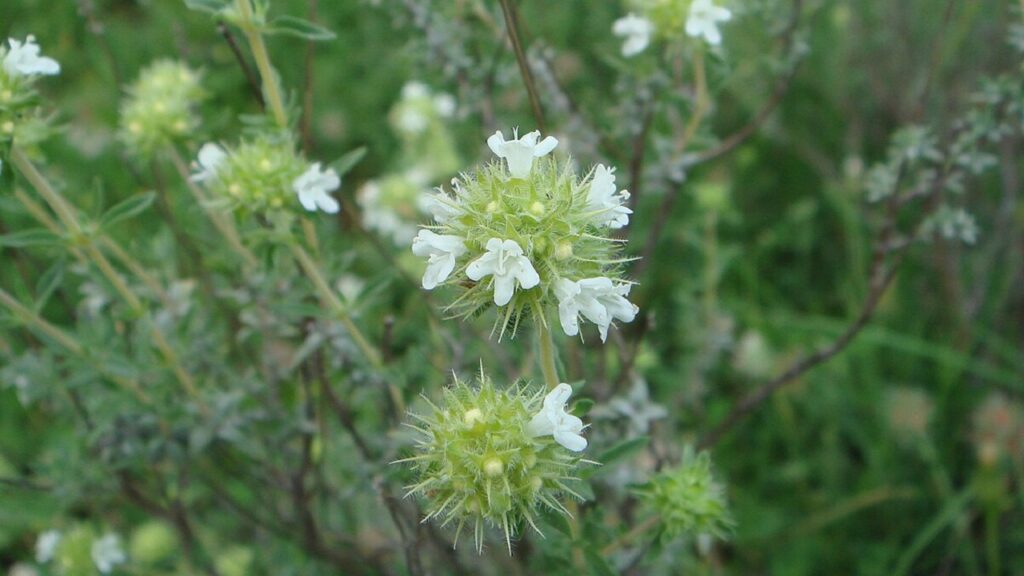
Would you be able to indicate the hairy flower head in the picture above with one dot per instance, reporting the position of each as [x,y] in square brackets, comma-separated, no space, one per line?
[688,500]
[490,456]
[534,236]
[159,109]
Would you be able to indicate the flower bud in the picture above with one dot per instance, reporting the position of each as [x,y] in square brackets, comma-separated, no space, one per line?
[159,109]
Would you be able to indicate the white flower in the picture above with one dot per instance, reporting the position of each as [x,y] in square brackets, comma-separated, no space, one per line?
[107,553]
[504,261]
[597,299]
[313,187]
[637,30]
[211,156]
[445,105]
[376,215]
[441,252]
[46,546]
[604,202]
[414,91]
[23,59]
[520,152]
[554,420]
[703,20]
[439,205]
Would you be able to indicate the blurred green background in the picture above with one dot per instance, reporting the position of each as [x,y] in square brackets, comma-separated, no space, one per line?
[861,465]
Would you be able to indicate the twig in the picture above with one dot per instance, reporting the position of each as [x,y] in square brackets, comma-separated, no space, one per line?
[250,76]
[307,90]
[512,26]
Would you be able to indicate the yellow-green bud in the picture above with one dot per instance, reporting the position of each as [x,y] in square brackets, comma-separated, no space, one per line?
[493,467]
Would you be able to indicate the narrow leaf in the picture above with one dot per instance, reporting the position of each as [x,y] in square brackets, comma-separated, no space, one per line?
[344,164]
[127,208]
[299,28]
[33,237]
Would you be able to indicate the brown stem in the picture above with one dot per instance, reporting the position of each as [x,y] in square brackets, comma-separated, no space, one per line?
[250,77]
[512,26]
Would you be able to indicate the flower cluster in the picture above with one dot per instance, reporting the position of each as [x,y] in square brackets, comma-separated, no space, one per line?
[421,120]
[80,552]
[266,173]
[699,19]
[498,457]
[160,107]
[529,235]
[21,63]
[688,500]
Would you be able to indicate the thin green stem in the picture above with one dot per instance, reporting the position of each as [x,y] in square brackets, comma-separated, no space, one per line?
[547,355]
[634,533]
[221,222]
[66,214]
[66,341]
[334,304]
[271,86]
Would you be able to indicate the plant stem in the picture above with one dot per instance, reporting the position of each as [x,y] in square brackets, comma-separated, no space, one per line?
[547,355]
[221,222]
[66,213]
[271,87]
[512,26]
[632,535]
[31,318]
[331,301]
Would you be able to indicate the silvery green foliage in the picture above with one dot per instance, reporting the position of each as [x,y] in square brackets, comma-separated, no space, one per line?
[918,165]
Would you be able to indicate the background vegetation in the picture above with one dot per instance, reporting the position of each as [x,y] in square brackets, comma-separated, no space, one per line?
[902,453]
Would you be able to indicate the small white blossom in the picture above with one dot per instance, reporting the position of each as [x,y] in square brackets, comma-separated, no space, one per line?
[46,546]
[23,59]
[211,157]
[441,253]
[604,202]
[597,299]
[637,31]
[554,420]
[107,553]
[520,152]
[703,20]
[414,91]
[504,261]
[313,187]
[376,215]
[445,105]
[439,205]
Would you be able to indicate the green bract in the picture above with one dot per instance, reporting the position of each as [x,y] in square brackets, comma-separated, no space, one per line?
[160,107]
[477,463]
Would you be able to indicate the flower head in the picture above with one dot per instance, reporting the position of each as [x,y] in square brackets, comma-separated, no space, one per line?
[703,20]
[520,152]
[107,553]
[159,108]
[598,299]
[637,30]
[604,202]
[504,261]
[46,545]
[688,499]
[441,253]
[211,157]
[479,463]
[313,189]
[23,59]
[555,421]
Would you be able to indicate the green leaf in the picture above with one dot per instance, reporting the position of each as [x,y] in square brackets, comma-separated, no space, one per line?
[620,451]
[33,237]
[48,283]
[344,164]
[209,6]
[299,28]
[597,563]
[127,209]
[582,407]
